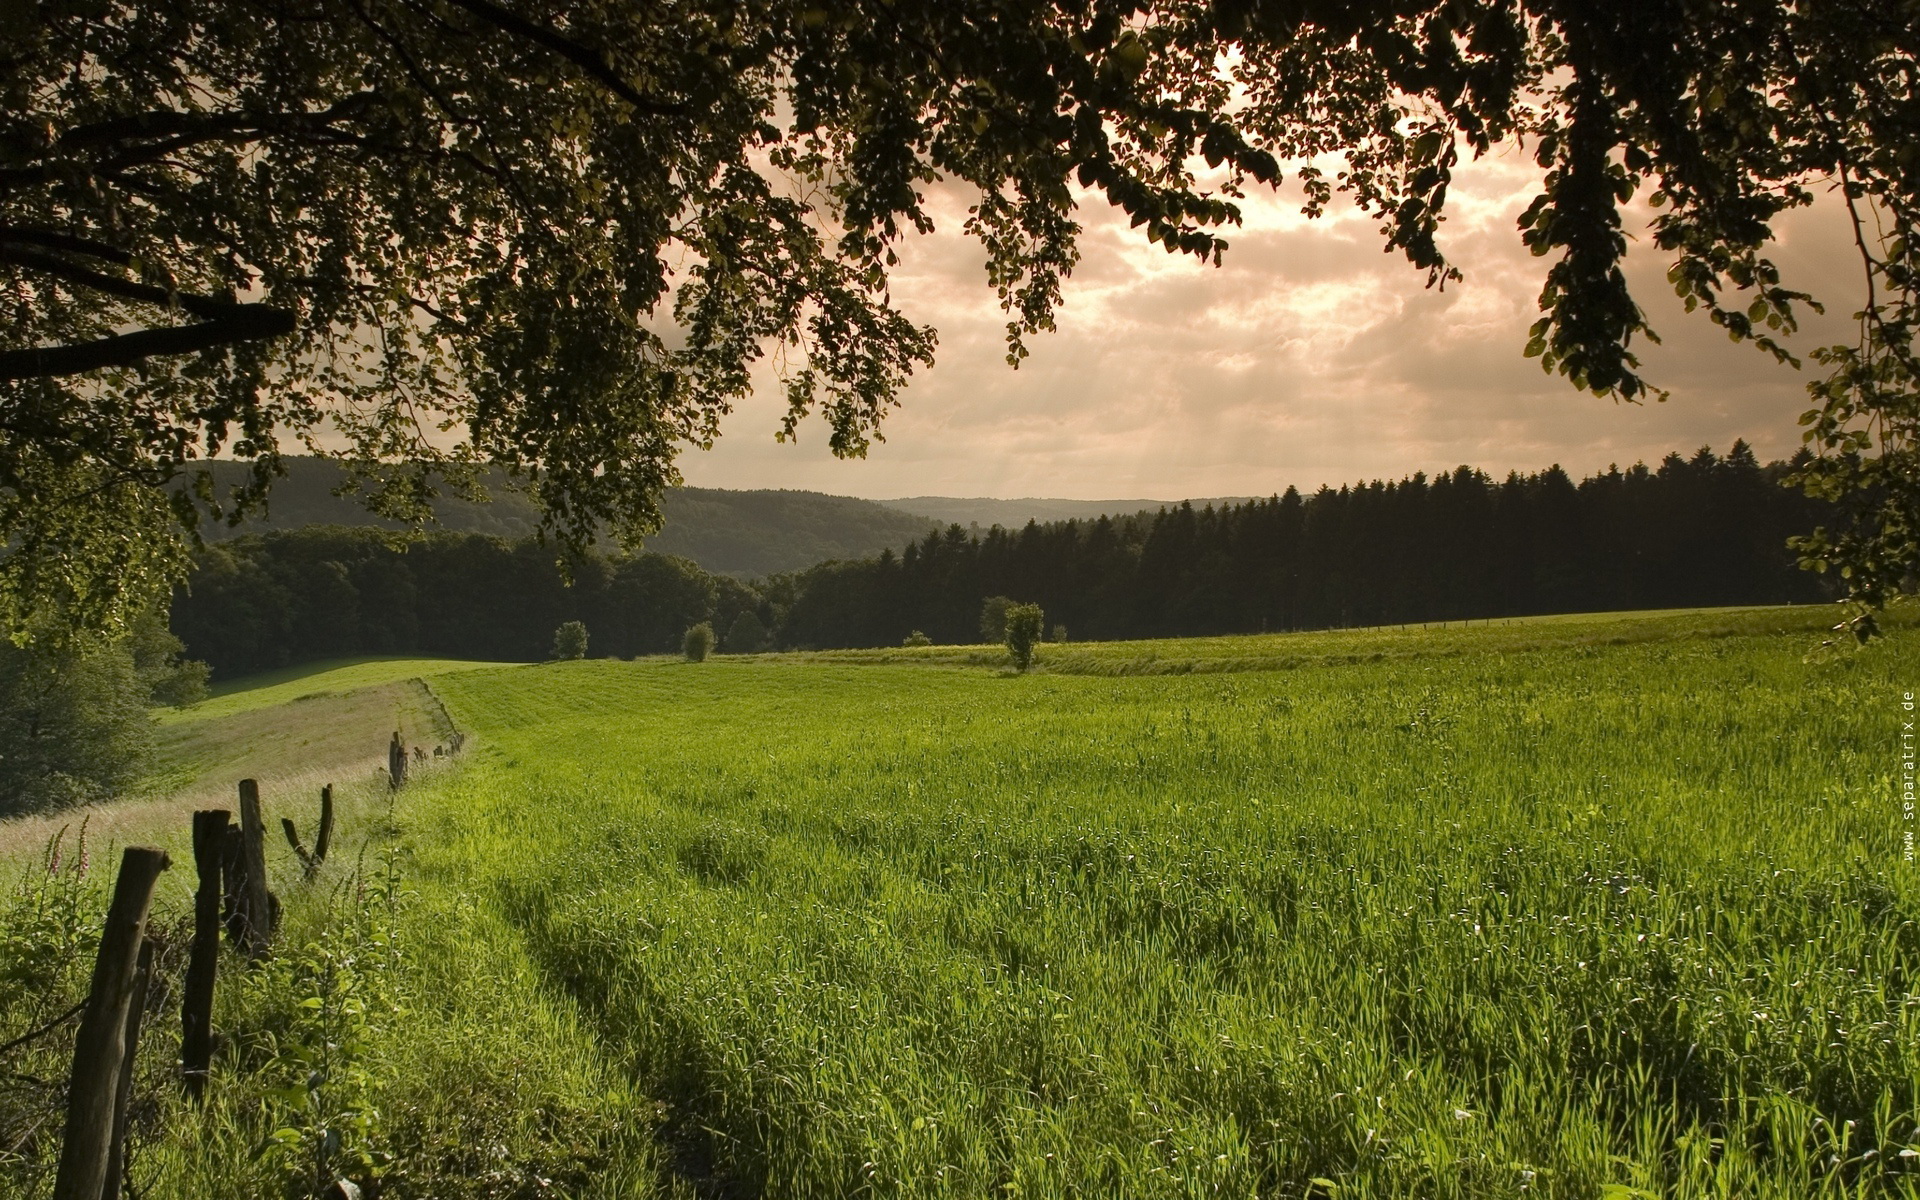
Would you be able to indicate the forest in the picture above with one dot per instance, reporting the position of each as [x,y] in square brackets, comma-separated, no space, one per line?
[1695,531]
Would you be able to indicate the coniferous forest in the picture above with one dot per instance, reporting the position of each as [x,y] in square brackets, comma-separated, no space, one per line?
[1704,530]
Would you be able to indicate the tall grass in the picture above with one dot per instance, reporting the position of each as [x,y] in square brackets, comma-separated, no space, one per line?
[1589,921]
[1498,913]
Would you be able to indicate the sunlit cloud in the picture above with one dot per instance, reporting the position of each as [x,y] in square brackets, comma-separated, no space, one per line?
[1309,357]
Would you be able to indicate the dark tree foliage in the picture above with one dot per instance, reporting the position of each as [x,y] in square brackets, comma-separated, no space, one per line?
[267,601]
[746,635]
[569,641]
[558,235]
[551,235]
[1704,530]
[993,619]
[74,724]
[1697,531]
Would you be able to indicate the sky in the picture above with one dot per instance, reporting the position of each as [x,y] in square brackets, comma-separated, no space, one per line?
[1309,357]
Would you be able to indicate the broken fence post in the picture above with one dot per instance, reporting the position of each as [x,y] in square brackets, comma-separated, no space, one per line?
[256,905]
[310,861]
[396,761]
[100,1048]
[210,827]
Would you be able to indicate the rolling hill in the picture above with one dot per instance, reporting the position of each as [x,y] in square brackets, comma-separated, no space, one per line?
[740,533]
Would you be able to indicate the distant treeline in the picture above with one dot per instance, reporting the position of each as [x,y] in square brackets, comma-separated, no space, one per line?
[330,591]
[1701,531]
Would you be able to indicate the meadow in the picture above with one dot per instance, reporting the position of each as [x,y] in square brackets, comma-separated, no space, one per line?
[1613,908]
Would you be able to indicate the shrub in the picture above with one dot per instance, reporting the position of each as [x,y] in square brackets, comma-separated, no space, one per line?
[698,643]
[570,641]
[1024,623]
[74,724]
[993,618]
[916,638]
[1059,634]
[161,665]
[746,635]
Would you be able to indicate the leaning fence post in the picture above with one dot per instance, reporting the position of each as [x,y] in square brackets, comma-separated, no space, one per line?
[123,1095]
[256,907]
[311,861]
[101,1045]
[196,1005]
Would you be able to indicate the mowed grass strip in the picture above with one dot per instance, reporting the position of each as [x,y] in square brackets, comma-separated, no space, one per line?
[1319,648]
[1591,920]
[271,689]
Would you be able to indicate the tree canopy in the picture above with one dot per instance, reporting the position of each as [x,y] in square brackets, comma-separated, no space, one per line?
[560,235]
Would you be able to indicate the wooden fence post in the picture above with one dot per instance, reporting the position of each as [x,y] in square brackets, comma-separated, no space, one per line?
[396,761]
[311,862]
[232,870]
[123,1095]
[101,1045]
[256,907]
[196,1006]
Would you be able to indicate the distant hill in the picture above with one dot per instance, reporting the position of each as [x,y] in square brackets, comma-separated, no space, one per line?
[987,512]
[758,533]
[745,533]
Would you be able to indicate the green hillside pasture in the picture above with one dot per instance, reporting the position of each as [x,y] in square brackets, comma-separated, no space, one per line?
[311,680]
[1289,651]
[1601,921]
[294,731]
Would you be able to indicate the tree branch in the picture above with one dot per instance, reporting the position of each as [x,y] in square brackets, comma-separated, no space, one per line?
[168,123]
[244,323]
[200,306]
[593,62]
[55,240]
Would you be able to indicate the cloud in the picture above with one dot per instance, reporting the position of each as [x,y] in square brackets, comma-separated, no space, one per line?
[1310,357]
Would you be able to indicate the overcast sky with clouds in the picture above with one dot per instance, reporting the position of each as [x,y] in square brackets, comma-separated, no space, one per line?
[1309,357]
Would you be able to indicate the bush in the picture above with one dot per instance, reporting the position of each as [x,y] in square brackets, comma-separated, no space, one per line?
[746,635]
[1059,634]
[159,662]
[698,643]
[74,724]
[916,638]
[1024,623]
[993,618]
[570,641]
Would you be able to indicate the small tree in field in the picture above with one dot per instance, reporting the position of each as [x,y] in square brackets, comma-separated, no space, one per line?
[698,642]
[993,618]
[1024,623]
[1059,634]
[570,641]
[916,638]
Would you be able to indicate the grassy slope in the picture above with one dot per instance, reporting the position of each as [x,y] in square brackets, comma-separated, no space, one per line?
[310,680]
[293,730]
[1551,920]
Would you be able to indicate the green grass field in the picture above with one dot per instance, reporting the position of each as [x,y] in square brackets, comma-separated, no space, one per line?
[311,681]
[1609,908]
